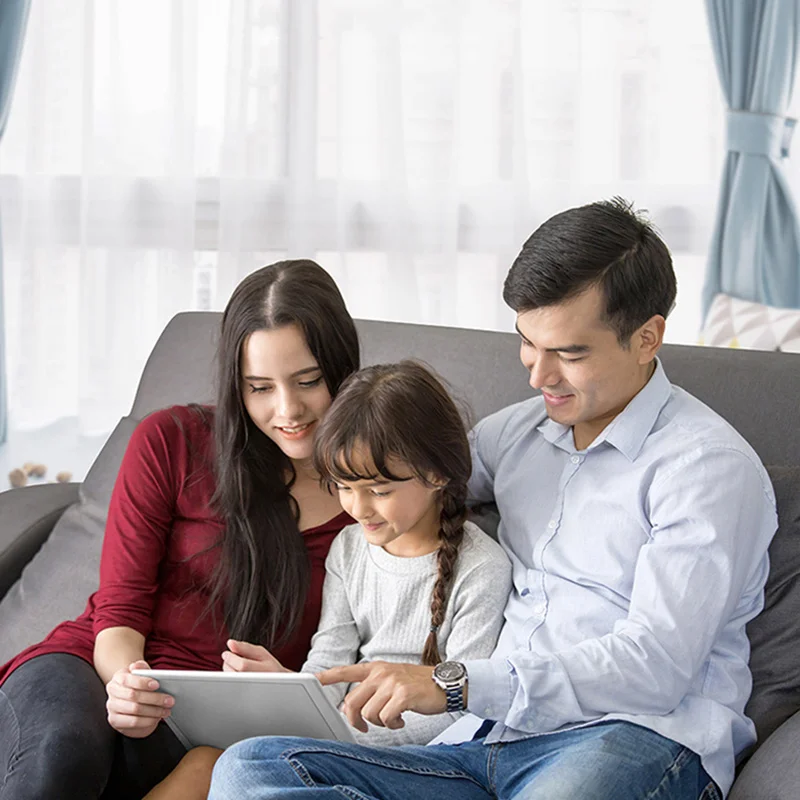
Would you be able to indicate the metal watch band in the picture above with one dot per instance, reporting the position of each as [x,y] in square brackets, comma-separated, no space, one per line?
[455,697]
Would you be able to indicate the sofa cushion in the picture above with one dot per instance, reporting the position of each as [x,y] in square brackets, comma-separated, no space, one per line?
[774,634]
[56,583]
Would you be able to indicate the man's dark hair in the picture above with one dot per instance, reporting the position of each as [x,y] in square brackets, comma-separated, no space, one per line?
[605,244]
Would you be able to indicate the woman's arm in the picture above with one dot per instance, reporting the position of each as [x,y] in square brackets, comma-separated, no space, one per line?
[116,648]
[137,532]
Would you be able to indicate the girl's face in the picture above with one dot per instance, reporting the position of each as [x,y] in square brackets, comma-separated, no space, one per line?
[283,389]
[400,516]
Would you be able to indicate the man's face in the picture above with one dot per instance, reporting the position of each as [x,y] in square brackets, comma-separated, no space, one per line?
[574,358]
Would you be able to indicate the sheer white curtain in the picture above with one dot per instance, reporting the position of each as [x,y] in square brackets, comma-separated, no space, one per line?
[159,150]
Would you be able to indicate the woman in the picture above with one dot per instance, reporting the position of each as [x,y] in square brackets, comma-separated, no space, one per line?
[218,527]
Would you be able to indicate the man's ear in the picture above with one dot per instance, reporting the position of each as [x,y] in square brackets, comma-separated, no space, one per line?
[650,337]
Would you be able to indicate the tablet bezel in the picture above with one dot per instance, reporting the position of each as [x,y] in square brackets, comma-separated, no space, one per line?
[332,725]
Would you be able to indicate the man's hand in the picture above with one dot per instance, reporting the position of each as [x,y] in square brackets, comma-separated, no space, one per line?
[134,707]
[385,691]
[246,657]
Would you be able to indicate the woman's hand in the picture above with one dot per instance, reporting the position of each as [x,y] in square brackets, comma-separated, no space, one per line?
[134,707]
[246,657]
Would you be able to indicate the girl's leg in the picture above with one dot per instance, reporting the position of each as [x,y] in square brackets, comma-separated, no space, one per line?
[190,779]
[55,740]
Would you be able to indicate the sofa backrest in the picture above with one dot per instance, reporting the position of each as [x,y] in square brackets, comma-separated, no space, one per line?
[757,392]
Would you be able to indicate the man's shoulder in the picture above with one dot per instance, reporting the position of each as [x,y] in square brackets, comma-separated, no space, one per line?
[689,431]
[689,421]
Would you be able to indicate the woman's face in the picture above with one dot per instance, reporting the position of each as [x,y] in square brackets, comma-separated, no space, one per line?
[283,389]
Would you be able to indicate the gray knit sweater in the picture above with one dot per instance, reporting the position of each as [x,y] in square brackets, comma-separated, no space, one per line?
[376,607]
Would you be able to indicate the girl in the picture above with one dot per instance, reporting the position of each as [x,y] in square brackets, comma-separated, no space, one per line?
[217,527]
[413,581]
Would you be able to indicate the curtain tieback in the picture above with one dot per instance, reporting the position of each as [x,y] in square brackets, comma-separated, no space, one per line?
[760,134]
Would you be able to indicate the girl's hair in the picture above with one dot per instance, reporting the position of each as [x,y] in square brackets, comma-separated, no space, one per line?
[402,412]
[263,572]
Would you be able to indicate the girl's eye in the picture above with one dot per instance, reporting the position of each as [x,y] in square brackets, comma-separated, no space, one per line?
[310,384]
[258,389]
[340,488]
[376,493]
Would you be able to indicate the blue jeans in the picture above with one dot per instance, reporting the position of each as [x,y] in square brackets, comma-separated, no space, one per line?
[608,761]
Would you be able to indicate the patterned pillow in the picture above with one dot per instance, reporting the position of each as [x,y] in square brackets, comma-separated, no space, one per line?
[739,323]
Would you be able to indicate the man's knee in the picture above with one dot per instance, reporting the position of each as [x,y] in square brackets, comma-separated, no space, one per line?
[252,765]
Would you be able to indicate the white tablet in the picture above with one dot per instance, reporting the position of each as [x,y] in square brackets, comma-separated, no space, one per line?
[221,708]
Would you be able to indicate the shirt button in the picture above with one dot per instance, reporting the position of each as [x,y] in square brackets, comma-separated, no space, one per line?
[576,459]
[552,524]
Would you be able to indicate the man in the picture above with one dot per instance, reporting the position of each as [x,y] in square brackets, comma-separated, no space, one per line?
[637,522]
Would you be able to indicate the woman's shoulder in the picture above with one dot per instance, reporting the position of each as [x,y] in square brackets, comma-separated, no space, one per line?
[177,438]
[194,422]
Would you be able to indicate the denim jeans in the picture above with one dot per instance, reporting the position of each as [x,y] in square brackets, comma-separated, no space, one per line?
[608,761]
[55,740]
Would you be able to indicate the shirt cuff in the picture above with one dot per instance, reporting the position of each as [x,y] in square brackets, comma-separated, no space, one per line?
[489,688]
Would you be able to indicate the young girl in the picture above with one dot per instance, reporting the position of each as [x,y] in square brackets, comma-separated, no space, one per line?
[413,581]
[217,527]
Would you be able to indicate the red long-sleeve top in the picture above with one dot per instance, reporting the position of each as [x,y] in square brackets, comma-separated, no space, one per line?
[154,575]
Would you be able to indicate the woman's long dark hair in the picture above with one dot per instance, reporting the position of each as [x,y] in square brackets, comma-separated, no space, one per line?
[263,574]
[403,412]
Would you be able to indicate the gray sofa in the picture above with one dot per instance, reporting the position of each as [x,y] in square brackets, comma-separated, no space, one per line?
[51,534]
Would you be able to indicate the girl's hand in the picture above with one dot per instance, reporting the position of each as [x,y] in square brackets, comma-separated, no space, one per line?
[246,657]
[134,707]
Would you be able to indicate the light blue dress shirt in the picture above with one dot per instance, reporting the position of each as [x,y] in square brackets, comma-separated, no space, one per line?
[636,565]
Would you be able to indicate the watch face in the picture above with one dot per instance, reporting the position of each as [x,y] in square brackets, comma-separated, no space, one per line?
[450,671]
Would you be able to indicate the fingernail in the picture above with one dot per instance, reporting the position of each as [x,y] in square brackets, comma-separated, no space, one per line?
[169,702]
[152,685]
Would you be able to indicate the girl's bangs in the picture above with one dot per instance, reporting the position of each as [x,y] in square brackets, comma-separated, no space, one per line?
[359,453]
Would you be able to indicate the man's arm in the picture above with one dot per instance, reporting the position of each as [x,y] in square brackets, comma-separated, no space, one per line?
[713,518]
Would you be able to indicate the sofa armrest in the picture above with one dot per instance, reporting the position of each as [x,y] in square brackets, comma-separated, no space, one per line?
[27,516]
[773,772]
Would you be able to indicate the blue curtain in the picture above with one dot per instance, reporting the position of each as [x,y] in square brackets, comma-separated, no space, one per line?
[755,250]
[13,17]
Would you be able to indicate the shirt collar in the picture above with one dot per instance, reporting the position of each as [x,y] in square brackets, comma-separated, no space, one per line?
[628,431]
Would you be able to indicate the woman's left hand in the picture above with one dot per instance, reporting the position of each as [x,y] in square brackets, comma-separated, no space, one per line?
[246,657]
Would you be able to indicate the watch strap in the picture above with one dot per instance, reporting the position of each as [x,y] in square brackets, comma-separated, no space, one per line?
[455,697]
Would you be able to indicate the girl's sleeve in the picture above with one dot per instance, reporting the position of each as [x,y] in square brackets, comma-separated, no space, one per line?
[139,521]
[482,588]
[337,641]
[480,593]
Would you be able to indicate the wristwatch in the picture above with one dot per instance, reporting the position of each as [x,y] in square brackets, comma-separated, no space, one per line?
[452,677]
